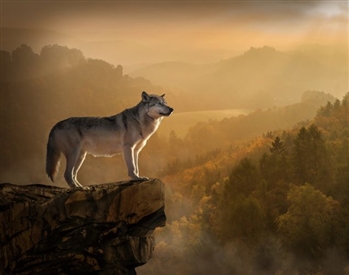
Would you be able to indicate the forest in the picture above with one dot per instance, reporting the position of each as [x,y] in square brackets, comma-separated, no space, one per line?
[261,193]
[275,204]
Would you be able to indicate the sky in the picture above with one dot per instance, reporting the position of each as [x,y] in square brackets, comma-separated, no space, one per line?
[177,25]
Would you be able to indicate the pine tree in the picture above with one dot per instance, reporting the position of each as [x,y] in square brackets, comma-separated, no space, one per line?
[277,146]
[310,157]
[243,179]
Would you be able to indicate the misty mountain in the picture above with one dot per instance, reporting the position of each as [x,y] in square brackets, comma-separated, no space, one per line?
[260,77]
[12,38]
[116,51]
[280,73]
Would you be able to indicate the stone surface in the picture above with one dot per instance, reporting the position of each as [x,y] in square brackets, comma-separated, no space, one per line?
[107,229]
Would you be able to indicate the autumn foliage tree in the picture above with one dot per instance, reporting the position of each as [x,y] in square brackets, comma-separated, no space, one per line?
[309,226]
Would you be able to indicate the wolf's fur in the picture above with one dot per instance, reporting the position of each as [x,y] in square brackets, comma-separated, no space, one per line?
[126,133]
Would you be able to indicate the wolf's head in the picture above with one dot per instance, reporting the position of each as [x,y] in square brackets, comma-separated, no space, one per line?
[156,105]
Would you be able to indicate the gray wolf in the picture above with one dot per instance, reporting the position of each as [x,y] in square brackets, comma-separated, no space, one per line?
[126,133]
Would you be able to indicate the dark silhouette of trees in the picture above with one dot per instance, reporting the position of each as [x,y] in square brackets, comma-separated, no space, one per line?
[55,57]
[24,62]
[274,167]
[6,65]
[243,179]
[310,157]
[23,55]
[245,217]
[277,146]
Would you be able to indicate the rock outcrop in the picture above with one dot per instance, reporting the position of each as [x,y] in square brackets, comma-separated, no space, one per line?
[107,229]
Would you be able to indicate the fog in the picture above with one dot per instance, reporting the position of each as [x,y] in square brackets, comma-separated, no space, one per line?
[246,79]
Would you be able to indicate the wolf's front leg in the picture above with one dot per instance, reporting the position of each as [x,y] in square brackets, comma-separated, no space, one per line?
[128,152]
[129,157]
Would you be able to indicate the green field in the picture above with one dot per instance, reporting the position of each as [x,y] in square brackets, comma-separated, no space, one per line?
[181,122]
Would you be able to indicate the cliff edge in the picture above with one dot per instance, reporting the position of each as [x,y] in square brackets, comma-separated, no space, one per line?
[105,230]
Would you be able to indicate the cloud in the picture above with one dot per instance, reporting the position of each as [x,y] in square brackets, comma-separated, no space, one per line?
[180,24]
[165,12]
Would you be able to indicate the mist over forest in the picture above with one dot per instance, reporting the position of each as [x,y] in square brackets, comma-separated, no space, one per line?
[255,157]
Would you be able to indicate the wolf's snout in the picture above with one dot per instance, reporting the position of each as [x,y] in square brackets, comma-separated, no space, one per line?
[167,113]
[170,110]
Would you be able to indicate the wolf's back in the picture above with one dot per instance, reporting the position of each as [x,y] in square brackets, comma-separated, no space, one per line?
[53,156]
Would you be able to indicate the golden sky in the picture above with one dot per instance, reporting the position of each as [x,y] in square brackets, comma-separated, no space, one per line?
[202,25]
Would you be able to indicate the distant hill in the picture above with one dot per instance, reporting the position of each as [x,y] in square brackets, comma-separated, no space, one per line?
[261,77]
[258,78]
[180,123]
[114,51]
[12,38]
[214,134]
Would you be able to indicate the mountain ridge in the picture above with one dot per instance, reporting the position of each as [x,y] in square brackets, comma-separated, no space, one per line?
[263,72]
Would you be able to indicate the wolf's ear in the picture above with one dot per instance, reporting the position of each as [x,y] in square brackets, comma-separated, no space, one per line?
[163,95]
[145,97]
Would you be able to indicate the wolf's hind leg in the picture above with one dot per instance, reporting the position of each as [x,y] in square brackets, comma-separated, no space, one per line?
[136,152]
[71,158]
[78,165]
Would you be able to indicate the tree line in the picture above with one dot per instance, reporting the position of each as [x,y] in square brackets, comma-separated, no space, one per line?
[279,204]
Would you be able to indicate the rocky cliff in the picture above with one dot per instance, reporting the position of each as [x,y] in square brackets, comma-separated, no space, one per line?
[107,229]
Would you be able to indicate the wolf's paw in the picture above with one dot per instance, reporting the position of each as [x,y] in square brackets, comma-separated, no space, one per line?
[81,188]
[140,179]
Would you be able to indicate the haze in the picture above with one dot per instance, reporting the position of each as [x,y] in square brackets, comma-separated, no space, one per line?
[260,128]
[194,31]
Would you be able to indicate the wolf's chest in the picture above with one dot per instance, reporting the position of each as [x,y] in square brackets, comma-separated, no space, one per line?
[149,130]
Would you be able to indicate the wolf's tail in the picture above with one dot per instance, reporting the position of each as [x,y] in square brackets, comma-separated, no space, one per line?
[53,157]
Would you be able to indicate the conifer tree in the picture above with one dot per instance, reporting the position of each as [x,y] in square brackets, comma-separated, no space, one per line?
[277,146]
[310,157]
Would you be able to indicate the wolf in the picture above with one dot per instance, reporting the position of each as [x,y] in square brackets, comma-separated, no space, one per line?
[126,133]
